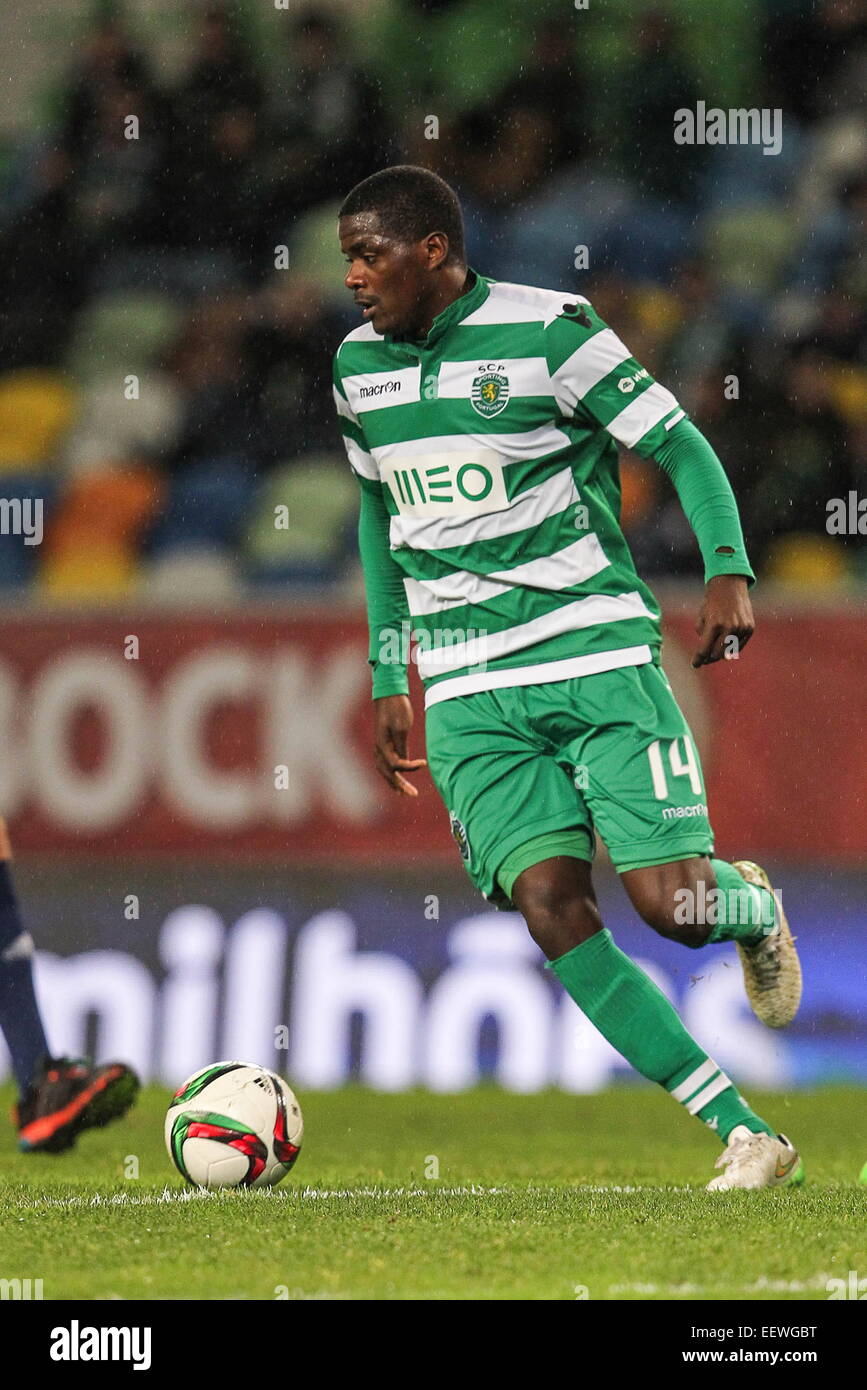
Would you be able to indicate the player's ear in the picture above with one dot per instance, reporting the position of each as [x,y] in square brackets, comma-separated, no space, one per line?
[437,249]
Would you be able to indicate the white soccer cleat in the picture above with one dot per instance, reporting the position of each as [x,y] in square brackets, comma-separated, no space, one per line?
[772,971]
[755,1160]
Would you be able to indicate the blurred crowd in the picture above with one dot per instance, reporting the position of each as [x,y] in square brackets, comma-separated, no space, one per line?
[171,286]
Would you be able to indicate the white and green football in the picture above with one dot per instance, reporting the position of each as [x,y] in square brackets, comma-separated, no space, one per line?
[234,1124]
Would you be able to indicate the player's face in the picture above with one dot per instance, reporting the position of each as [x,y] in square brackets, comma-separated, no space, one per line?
[387,277]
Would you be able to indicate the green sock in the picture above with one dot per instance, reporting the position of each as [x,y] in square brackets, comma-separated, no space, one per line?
[744,911]
[637,1019]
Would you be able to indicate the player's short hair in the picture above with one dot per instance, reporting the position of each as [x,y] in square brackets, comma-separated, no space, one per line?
[410,203]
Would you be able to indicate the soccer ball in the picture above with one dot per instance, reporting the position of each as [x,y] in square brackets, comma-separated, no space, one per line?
[234,1125]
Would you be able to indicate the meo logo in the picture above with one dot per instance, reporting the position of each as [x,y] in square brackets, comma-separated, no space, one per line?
[426,485]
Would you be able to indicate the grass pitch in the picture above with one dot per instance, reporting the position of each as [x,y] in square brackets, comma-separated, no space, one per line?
[485,1195]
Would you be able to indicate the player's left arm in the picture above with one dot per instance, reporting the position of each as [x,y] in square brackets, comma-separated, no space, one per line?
[709,504]
[595,377]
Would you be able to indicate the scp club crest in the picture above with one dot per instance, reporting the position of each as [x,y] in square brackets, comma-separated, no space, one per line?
[490,393]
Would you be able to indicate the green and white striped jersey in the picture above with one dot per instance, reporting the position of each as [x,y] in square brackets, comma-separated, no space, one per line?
[494,444]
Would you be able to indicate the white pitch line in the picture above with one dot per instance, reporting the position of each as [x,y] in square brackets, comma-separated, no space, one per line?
[287,1194]
[762,1285]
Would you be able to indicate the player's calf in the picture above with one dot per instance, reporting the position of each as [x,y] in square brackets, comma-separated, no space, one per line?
[672,898]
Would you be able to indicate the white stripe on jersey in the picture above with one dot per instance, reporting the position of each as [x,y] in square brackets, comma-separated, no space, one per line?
[376,390]
[588,364]
[594,610]
[642,414]
[571,565]
[544,672]
[510,303]
[528,376]
[360,460]
[343,407]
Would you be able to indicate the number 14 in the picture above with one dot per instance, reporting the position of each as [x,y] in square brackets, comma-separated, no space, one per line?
[686,766]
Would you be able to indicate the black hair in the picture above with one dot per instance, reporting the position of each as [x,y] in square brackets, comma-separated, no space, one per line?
[410,203]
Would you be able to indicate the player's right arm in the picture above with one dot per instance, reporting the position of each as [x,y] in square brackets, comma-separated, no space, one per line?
[388,618]
[596,378]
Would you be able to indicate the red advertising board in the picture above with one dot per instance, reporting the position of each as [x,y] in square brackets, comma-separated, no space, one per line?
[248,734]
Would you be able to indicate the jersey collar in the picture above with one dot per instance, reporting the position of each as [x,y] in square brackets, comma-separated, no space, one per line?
[476,293]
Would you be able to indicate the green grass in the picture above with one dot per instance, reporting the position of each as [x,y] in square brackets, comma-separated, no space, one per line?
[536,1196]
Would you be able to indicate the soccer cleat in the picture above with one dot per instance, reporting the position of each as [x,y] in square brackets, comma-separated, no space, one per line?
[68,1095]
[772,971]
[756,1160]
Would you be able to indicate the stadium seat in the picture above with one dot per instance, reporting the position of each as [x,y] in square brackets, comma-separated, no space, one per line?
[749,246]
[803,561]
[315,502]
[194,574]
[124,333]
[36,409]
[207,504]
[110,427]
[313,252]
[742,175]
[179,274]
[91,550]
[848,390]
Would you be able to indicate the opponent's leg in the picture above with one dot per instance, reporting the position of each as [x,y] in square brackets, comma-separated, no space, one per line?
[20,1019]
[59,1096]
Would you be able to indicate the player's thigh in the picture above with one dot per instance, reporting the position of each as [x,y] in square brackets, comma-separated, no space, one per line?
[499,781]
[644,783]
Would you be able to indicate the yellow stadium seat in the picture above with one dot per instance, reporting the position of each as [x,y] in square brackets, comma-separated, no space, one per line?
[37,409]
[89,574]
[848,390]
[801,561]
[91,547]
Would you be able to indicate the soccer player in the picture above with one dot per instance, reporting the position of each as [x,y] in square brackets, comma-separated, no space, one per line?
[482,421]
[59,1096]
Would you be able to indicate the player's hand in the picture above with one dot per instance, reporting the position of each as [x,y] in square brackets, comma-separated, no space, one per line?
[392,723]
[725,613]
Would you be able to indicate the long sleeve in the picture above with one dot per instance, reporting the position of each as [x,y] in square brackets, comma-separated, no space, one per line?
[707,499]
[387,609]
[594,377]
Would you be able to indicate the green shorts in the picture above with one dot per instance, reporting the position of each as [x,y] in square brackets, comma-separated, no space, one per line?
[555,763]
